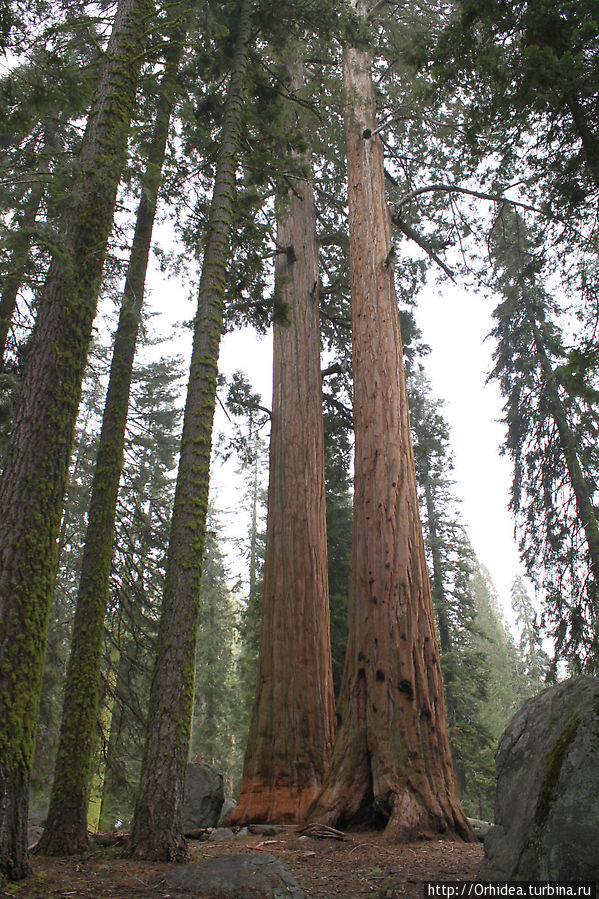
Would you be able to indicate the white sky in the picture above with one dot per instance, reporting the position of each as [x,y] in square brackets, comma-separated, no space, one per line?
[455,324]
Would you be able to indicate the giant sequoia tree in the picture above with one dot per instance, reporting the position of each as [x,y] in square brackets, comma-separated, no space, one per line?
[34,478]
[391,762]
[291,726]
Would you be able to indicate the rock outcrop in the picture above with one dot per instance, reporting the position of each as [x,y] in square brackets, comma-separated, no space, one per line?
[546,809]
[236,877]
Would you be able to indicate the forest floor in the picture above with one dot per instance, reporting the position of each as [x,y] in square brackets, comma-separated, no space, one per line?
[362,864]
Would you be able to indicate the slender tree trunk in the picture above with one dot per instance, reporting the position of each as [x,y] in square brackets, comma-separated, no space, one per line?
[66,828]
[292,721]
[34,478]
[578,481]
[21,241]
[98,779]
[111,782]
[438,589]
[391,762]
[158,824]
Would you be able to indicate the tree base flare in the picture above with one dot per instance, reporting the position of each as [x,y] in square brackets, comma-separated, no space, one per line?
[14,863]
[398,810]
[156,848]
[262,803]
[65,832]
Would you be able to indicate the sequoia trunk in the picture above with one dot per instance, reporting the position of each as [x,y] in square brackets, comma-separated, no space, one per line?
[158,823]
[291,726]
[66,828]
[391,762]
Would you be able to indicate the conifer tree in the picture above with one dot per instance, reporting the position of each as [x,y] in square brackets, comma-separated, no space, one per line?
[552,431]
[157,826]
[529,71]
[452,565]
[137,581]
[533,659]
[66,828]
[391,705]
[216,732]
[34,477]
[291,726]
[247,442]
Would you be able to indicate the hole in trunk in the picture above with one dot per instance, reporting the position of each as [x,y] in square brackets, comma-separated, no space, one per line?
[369,815]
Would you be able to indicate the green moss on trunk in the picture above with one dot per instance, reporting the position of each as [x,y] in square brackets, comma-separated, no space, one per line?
[66,828]
[158,822]
[34,478]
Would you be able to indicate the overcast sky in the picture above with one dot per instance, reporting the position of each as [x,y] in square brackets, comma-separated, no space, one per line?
[455,325]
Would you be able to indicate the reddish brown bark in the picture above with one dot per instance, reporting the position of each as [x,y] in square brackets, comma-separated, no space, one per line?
[291,726]
[391,763]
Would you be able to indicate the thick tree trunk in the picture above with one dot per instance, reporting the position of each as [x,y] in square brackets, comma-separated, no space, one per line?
[34,478]
[292,721]
[158,824]
[391,762]
[66,828]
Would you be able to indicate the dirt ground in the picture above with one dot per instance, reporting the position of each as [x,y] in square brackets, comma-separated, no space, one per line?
[362,864]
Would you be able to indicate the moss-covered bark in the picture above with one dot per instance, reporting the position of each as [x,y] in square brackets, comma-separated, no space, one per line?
[391,762]
[158,823]
[292,721]
[66,828]
[34,478]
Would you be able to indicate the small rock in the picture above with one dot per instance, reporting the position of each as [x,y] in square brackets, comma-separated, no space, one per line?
[228,806]
[479,828]
[235,877]
[220,833]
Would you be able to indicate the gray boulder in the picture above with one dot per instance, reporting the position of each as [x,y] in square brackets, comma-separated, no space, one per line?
[228,806]
[221,833]
[236,877]
[480,828]
[546,808]
[204,797]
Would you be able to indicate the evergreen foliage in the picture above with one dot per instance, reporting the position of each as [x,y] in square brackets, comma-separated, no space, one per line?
[534,661]
[218,730]
[476,649]
[550,412]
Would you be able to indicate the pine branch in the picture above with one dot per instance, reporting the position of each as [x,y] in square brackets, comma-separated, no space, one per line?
[455,188]
[421,241]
